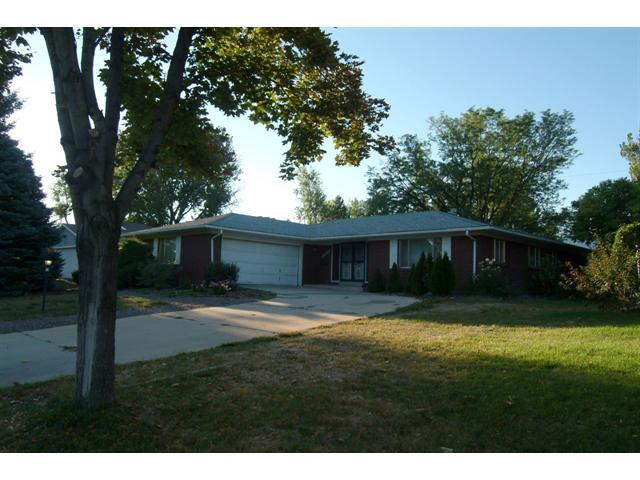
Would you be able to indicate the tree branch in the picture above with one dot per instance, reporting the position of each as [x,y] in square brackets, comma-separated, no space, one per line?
[113,103]
[163,117]
[89,44]
[66,131]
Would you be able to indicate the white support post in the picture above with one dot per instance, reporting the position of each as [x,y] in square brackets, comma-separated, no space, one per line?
[393,252]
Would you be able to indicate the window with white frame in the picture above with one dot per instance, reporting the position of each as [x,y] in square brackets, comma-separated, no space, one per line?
[167,250]
[499,251]
[534,257]
[410,250]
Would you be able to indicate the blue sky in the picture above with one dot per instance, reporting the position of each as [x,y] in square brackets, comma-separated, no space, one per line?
[594,73]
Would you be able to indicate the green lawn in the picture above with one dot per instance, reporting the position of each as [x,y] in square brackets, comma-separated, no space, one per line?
[60,304]
[466,375]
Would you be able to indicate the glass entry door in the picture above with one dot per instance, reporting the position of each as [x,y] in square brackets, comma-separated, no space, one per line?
[352,257]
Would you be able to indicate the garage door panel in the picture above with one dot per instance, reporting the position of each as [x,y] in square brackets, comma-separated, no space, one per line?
[261,262]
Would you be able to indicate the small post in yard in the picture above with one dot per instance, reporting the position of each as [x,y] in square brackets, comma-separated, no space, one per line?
[47,264]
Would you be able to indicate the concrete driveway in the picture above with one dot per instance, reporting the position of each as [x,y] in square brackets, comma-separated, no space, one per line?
[49,353]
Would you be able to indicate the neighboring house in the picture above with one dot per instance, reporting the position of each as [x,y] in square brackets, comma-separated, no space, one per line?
[67,244]
[279,252]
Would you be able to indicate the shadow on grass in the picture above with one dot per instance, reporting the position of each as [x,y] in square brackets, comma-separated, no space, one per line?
[341,393]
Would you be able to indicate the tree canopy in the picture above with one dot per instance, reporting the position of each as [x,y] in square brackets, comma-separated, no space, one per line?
[604,208]
[313,205]
[311,196]
[482,165]
[630,150]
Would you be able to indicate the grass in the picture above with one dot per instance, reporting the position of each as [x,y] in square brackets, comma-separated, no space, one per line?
[465,375]
[61,304]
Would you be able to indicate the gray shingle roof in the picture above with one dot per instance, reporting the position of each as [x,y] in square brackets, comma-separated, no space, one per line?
[402,223]
[398,223]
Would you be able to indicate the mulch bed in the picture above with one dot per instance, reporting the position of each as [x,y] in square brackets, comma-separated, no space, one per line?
[173,303]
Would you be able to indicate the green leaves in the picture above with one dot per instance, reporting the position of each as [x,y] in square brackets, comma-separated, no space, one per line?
[484,165]
[293,81]
[631,151]
[602,209]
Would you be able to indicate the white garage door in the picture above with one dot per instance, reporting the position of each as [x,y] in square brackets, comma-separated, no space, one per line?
[266,263]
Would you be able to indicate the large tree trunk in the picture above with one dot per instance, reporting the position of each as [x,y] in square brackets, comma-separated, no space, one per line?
[89,140]
[97,244]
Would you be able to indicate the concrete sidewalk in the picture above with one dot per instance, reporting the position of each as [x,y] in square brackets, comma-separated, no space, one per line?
[49,353]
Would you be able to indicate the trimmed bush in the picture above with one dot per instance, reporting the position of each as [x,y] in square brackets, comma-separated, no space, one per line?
[419,277]
[442,276]
[491,281]
[159,275]
[133,257]
[377,283]
[407,287]
[220,271]
[75,276]
[395,282]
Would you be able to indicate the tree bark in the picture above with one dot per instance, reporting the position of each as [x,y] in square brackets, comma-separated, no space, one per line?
[97,245]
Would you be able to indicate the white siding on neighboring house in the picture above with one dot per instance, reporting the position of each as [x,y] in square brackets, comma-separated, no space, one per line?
[70,257]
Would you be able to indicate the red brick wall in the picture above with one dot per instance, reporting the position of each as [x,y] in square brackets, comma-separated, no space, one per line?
[378,257]
[316,268]
[195,255]
[517,265]
[462,258]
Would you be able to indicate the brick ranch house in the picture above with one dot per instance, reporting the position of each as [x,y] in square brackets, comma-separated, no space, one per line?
[280,252]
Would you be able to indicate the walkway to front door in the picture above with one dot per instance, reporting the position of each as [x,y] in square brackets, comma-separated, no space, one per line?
[352,262]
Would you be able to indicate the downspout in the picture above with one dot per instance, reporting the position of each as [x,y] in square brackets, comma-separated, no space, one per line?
[473,267]
[212,246]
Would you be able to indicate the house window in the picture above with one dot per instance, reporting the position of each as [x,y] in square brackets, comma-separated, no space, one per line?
[534,257]
[499,251]
[167,250]
[409,251]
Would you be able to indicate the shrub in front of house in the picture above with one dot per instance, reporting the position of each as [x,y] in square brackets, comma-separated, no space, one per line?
[419,278]
[491,280]
[133,257]
[412,272]
[75,276]
[441,276]
[219,271]
[395,282]
[547,280]
[377,282]
[159,275]
[611,277]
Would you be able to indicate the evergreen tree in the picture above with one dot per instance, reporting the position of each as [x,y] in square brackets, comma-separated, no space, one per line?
[395,283]
[26,234]
[429,273]
[442,279]
[377,283]
[419,278]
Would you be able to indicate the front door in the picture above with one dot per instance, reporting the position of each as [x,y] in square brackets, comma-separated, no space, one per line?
[352,257]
